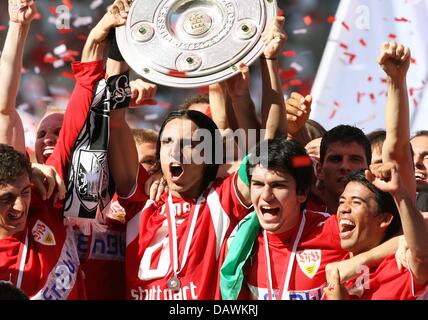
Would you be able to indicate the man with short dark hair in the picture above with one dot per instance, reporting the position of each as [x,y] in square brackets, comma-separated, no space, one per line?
[281,251]
[344,149]
[38,254]
[373,208]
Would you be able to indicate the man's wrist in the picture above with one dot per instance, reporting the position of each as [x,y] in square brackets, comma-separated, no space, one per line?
[268,58]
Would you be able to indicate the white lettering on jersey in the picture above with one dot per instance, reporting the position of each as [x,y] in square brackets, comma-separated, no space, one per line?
[61,279]
[186,292]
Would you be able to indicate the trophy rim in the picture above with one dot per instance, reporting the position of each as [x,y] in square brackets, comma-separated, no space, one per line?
[177,79]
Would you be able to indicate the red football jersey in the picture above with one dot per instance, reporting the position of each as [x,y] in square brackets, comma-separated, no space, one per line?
[148,262]
[319,245]
[385,282]
[49,262]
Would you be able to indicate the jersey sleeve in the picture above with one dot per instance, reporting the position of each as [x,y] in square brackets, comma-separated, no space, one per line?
[227,192]
[393,284]
[87,75]
[134,202]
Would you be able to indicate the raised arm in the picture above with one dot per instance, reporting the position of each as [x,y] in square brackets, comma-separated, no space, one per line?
[395,61]
[387,178]
[21,13]
[273,104]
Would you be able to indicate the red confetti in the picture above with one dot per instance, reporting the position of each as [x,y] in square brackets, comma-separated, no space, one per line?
[301,161]
[413,60]
[296,83]
[53,10]
[351,56]
[40,38]
[333,114]
[345,25]
[369,79]
[68,75]
[336,104]
[383,80]
[363,42]
[402,20]
[412,91]
[280,12]
[164,104]
[288,73]
[373,97]
[49,58]
[68,4]
[2,28]
[360,95]
[331,19]
[289,53]
[307,20]
[392,36]
[344,46]
[415,102]
[64,30]
[176,73]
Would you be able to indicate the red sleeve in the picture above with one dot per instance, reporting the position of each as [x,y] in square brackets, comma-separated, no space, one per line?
[391,284]
[87,76]
[136,200]
[227,194]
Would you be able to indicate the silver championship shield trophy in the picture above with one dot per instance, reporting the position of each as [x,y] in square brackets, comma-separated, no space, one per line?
[192,43]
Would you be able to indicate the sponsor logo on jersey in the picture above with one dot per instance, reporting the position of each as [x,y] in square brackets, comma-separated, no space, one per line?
[155,292]
[116,212]
[43,234]
[309,261]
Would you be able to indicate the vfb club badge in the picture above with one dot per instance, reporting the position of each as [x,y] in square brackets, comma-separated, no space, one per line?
[309,261]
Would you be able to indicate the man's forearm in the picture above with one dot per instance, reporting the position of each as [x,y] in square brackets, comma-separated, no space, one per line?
[273,104]
[11,65]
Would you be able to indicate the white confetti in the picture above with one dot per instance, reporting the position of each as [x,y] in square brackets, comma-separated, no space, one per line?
[58,63]
[296,66]
[300,31]
[60,50]
[82,21]
[95,4]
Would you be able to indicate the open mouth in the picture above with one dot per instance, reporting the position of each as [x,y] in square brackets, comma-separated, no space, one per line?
[15,216]
[176,170]
[269,210]
[420,176]
[47,151]
[346,227]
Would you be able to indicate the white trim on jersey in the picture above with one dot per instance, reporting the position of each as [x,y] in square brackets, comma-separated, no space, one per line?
[219,217]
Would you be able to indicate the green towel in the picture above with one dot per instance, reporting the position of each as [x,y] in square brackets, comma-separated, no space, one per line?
[243,238]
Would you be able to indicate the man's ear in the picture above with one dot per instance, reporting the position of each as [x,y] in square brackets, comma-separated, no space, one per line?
[318,171]
[386,220]
[302,197]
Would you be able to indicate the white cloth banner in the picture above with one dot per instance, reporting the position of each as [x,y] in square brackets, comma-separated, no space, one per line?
[350,86]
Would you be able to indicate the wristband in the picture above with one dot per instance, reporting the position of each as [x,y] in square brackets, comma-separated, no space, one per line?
[114,52]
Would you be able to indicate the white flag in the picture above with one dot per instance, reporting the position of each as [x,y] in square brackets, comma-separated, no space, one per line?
[350,86]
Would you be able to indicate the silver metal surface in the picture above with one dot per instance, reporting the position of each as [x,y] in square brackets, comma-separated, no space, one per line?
[192,43]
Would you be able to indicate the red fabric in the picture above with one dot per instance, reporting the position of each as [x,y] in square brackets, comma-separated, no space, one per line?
[147,249]
[42,258]
[319,245]
[86,75]
[385,282]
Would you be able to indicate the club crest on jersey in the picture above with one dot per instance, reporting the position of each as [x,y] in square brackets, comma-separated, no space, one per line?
[309,261]
[43,234]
